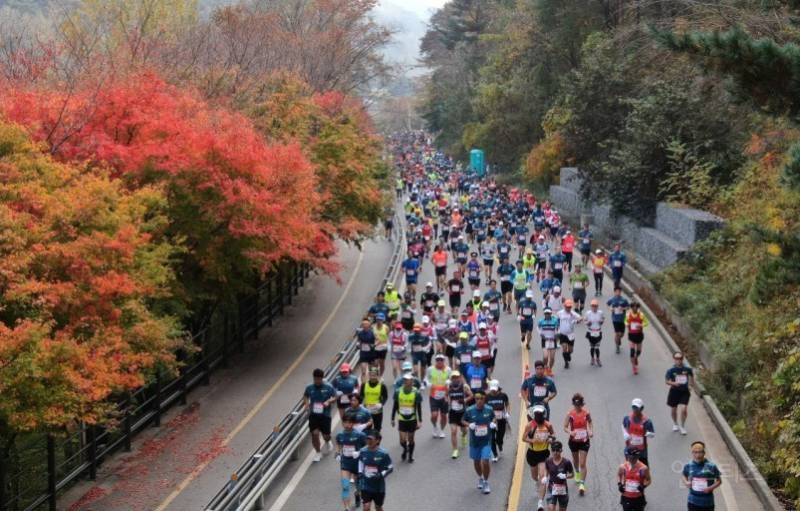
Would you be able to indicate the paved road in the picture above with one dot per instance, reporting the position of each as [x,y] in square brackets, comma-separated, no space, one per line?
[436,481]
[181,465]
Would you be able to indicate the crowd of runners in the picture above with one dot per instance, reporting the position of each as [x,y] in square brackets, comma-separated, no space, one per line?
[494,251]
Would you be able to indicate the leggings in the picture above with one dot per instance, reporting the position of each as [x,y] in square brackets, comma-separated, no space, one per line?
[498,435]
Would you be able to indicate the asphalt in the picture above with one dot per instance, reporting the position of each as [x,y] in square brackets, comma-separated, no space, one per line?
[435,481]
[181,465]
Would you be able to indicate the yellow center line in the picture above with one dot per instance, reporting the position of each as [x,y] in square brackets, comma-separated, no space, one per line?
[266,397]
[515,491]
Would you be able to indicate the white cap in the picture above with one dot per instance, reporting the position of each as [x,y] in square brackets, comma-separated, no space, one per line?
[429,284]
[476,293]
[476,354]
[481,325]
[529,293]
[638,403]
[541,236]
[557,289]
[494,385]
[426,319]
[452,323]
[485,305]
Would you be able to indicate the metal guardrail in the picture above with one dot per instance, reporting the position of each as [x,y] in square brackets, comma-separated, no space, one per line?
[52,463]
[248,485]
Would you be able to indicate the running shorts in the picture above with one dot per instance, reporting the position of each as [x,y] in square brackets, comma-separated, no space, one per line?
[319,422]
[677,397]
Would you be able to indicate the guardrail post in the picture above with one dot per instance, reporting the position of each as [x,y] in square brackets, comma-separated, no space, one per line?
[92,452]
[126,428]
[51,473]
[204,359]
[226,333]
[259,502]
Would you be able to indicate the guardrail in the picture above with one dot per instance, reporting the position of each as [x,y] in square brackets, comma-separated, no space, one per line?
[46,464]
[250,482]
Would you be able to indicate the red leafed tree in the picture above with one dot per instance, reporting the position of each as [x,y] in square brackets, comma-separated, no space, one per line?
[237,204]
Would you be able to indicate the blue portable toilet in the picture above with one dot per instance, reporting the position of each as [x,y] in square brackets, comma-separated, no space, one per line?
[477,162]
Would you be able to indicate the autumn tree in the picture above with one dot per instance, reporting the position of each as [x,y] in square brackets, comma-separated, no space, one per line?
[238,204]
[85,283]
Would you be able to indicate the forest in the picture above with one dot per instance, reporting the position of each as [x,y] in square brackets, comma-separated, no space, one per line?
[688,102]
[155,164]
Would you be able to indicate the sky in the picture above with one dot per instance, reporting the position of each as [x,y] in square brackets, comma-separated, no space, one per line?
[409,18]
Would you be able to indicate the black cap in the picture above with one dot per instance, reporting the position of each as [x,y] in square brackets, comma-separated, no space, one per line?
[319,373]
[557,446]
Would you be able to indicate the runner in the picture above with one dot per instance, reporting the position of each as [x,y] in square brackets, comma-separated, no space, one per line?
[504,272]
[580,283]
[542,251]
[393,300]
[365,337]
[485,345]
[488,249]
[474,271]
[633,477]
[411,269]
[439,259]
[479,418]
[558,470]
[617,260]
[373,466]
[381,330]
[679,377]
[420,344]
[557,262]
[345,384]
[374,394]
[476,374]
[526,310]
[567,248]
[635,320]
[463,351]
[538,389]
[578,425]
[567,319]
[379,307]
[585,238]
[547,330]
[408,368]
[594,318]
[437,377]
[619,307]
[520,277]
[455,288]
[317,400]
[428,299]
[458,394]
[398,339]
[702,477]
[548,283]
[499,403]
[598,263]
[408,403]
[362,418]
[349,443]
[637,428]
[493,297]
[537,435]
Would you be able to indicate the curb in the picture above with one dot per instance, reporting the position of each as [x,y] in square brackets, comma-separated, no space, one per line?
[751,472]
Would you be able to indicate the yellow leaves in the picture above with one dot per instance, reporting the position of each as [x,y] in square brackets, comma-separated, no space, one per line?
[774,249]
[545,159]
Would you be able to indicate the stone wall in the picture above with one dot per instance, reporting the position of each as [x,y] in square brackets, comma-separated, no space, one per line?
[653,248]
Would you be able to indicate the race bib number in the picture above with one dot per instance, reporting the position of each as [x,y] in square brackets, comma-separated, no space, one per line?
[417,348]
[618,310]
[558,489]
[636,327]
[317,407]
[637,440]
[345,399]
[455,289]
[398,348]
[594,332]
[481,430]
[631,486]
[549,344]
[539,391]
[365,346]
[406,410]
[498,414]
[429,303]
[492,306]
[475,383]
[681,379]
[699,484]
[462,255]
[484,352]
[465,358]
[558,266]
[348,450]
[527,311]
[456,406]
[578,285]
[374,409]
[585,241]
[580,434]
[505,278]
[617,264]
[474,273]
[438,394]
[541,436]
[370,471]
[410,273]
[406,314]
